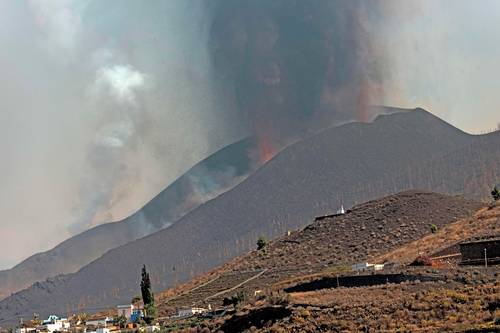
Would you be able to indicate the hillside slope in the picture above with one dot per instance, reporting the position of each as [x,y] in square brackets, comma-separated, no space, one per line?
[313,257]
[207,179]
[367,231]
[347,164]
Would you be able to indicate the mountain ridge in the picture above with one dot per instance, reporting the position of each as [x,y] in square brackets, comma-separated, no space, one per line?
[228,165]
[345,164]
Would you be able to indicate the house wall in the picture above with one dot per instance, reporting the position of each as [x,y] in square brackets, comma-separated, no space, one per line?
[475,251]
[97,322]
[126,312]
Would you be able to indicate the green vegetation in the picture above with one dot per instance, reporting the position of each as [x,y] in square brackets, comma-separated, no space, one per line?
[261,243]
[434,228]
[82,317]
[147,297]
[234,300]
[121,321]
[151,313]
[496,193]
[187,326]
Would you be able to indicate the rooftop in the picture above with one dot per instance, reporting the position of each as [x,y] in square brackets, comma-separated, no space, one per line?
[483,239]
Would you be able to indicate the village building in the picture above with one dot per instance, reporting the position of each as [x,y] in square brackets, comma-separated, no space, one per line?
[364,266]
[25,329]
[189,312]
[99,321]
[131,312]
[56,324]
[125,311]
[102,330]
[151,329]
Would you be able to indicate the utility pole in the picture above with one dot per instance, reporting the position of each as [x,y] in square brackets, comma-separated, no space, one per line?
[485,259]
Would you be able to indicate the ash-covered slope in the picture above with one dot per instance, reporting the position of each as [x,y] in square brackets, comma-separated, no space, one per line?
[204,181]
[368,230]
[346,164]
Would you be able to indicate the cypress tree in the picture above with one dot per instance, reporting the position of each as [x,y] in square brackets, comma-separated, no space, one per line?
[147,294]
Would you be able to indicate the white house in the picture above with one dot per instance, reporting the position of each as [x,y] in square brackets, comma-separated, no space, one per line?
[341,211]
[102,330]
[364,266]
[25,329]
[150,329]
[125,311]
[54,323]
[99,322]
[190,312]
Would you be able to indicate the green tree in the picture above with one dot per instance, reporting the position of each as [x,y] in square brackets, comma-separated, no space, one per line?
[234,300]
[496,193]
[261,243]
[121,321]
[147,297]
[434,228]
[147,294]
[150,313]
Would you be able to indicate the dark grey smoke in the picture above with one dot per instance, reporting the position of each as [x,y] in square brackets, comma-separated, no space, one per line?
[139,93]
[294,66]
[282,68]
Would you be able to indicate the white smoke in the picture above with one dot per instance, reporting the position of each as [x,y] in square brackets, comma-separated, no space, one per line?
[98,98]
[60,23]
[121,82]
[115,135]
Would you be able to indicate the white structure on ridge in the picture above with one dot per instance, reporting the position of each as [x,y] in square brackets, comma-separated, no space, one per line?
[364,266]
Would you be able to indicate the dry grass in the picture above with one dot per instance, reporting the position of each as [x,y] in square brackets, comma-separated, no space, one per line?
[485,221]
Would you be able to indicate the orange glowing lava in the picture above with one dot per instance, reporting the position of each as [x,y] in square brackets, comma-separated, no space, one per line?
[265,150]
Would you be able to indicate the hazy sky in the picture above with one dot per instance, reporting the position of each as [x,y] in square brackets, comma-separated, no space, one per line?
[444,57]
[104,103]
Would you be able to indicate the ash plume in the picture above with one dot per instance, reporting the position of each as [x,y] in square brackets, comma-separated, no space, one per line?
[108,102]
[296,66]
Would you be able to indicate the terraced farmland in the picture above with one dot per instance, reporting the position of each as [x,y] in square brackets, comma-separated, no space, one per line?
[211,292]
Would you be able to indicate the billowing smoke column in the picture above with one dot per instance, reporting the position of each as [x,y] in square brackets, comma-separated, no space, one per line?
[113,100]
[282,69]
[294,66]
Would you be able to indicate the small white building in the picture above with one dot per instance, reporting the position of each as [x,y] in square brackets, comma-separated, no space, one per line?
[364,266]
[341,211]
[102,330]
[150,329]
[188,312]
[125,310]
[25,329]
[54,323]
[99,322]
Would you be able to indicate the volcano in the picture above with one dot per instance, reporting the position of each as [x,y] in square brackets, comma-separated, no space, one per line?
[349,164]
[215,174]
